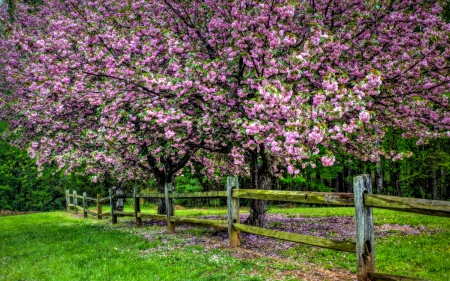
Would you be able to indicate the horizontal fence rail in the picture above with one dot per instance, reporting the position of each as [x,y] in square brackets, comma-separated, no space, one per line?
[209,194]
[411,205]
[151,196]
[124,214]
[362,199]
[106,199]
[296,196]
[299,238]
[388,277]
[200,222]
[152,216]
[91,213]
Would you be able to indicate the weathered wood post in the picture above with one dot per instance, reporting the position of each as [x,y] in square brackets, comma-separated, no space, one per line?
[169,203]
[84,205]
[75,202]
[233,212]
[137,207]
[111,202]
[365,247]
[99,207]
[67,200]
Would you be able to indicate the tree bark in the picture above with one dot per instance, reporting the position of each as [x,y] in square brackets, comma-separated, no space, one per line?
[348,179]
[161,202]
[379,178]
[448,191]
[341,183]
[434,189]
[442,184]
[336,184]
[261,178]
[165,175]
[258,208]
[395,178]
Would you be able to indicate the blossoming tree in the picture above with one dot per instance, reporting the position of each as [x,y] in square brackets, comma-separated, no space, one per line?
[305,79]
[285,83]
[94,82]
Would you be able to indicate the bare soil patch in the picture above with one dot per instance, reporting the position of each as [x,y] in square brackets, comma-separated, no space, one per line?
[12,213]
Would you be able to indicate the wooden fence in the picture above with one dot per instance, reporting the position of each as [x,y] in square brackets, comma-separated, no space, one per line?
[362,199]
[73,206]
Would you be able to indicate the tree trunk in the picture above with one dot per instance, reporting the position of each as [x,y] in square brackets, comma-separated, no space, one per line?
[394,180]
[348,179]
[433,184]
[341,182]
[166,175]
[379,178]
[335,184]
[261,178]
[373,177]
[258,208]
[448,190]
[206,186]
[161,202]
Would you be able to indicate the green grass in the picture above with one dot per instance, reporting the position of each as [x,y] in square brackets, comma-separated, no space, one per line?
[57,246]
[425,256]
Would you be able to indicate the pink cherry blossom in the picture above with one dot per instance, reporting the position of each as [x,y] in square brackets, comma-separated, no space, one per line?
[146,88]
[327,161]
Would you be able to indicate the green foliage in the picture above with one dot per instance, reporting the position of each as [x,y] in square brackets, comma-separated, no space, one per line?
[187,184]
[193,180]
[290,182]
[446,12]
[21,188]
[413,176]
[24,188]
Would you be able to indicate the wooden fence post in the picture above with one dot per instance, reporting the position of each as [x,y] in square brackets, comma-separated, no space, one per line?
[137,207]
[111,202]
[75,202]
[365,247]
[67,200]
[99,207]
[169,203]
[84,205]
[233,212]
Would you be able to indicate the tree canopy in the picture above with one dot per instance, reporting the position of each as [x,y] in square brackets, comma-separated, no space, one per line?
[138,87]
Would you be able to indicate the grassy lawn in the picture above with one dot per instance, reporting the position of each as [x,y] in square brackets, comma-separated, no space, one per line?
[58,246]
[426,255]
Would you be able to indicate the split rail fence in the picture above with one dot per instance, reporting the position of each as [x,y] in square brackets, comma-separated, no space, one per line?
[362,199]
